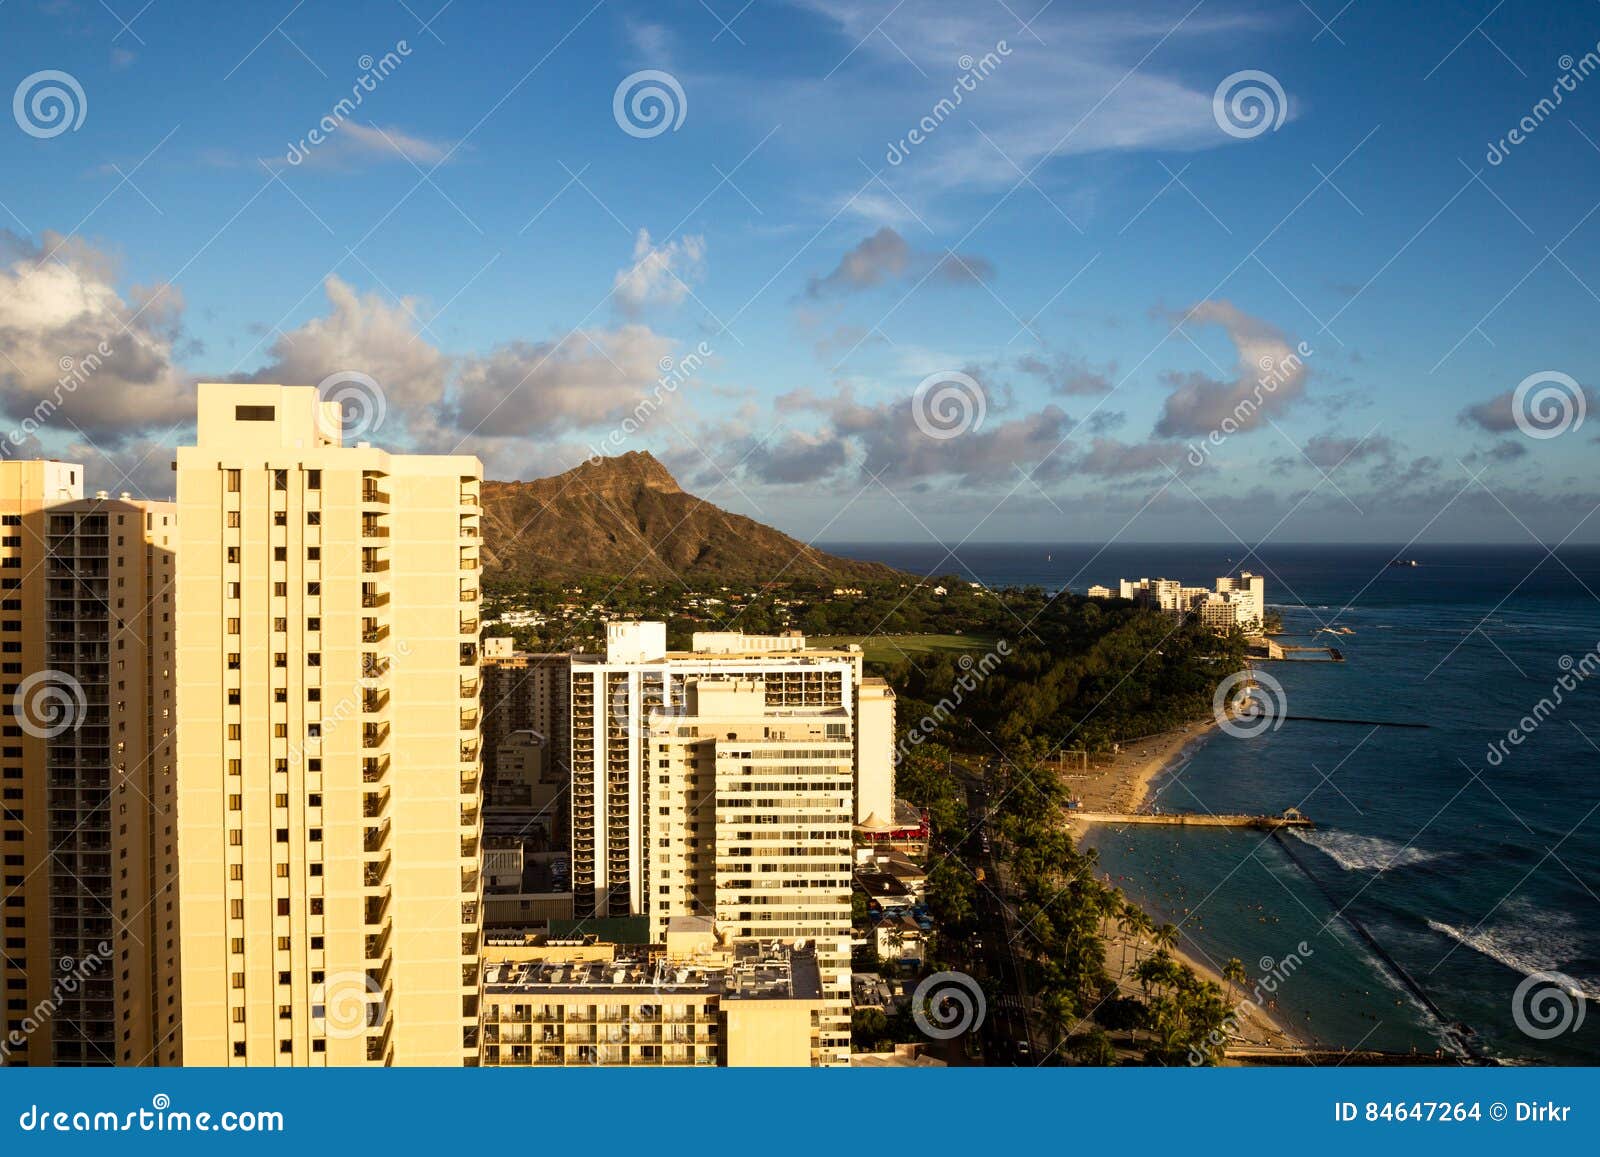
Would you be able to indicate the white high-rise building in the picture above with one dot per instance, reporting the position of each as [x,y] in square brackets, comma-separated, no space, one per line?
[752,824]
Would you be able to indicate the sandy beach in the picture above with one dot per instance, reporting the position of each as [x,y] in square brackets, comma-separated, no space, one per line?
[1121,783]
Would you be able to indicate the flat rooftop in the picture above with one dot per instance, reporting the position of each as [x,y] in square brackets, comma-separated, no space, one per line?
[758,970]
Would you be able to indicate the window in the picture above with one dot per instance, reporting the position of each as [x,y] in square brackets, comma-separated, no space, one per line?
[280,480]
[233,519]
[231,480]
[255,413]
[314,553]
[313,480]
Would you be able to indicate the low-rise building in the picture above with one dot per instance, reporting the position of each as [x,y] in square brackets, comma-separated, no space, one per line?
[696,1003]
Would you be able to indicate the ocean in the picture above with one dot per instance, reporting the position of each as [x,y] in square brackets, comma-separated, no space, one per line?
[1450,866]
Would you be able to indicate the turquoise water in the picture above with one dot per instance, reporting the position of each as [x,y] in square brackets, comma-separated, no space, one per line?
[1470,875]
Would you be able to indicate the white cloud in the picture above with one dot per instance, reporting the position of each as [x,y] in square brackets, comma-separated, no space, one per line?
[586,378]
[78,356]
[368,334]
[1271,377]
[354,144]
[660,274]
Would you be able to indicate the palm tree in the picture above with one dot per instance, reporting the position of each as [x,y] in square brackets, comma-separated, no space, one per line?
[1166,937]
[1127,924]
[1233,972]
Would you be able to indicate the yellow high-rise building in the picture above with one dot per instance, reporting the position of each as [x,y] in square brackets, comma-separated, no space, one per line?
[328,741]
[90,962]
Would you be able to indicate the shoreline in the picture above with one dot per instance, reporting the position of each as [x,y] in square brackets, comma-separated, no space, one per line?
[1121,783]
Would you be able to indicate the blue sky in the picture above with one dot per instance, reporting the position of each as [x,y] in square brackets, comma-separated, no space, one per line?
[1080,250]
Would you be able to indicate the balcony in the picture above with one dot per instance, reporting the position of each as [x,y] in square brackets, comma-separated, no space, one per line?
[377,945]
[377,838]
[469,626]
[371,491]
[469,688]
[372,564]
[374,804]
[372,597]
[375,874]
[374,734]
[374,768]
[376,908]
[372,528]
[469,720]
[375,633]
[374,700]
[469,595]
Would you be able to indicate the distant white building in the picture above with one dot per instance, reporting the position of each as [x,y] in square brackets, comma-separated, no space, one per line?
[1252,589]
[1238,601]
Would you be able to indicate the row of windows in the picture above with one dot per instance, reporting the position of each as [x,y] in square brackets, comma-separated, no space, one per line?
[280,480]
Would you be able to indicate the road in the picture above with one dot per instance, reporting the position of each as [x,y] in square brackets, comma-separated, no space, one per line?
[1008,1037]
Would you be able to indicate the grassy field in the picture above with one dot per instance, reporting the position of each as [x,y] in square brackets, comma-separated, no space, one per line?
[896,648]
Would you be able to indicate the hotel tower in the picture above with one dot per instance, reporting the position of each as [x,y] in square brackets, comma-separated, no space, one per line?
[328,741]
[90,961]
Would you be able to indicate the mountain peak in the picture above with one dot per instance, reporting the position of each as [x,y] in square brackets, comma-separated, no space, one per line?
[636,468]
[627,515]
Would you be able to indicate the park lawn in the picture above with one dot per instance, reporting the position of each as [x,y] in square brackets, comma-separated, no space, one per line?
[897,648]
